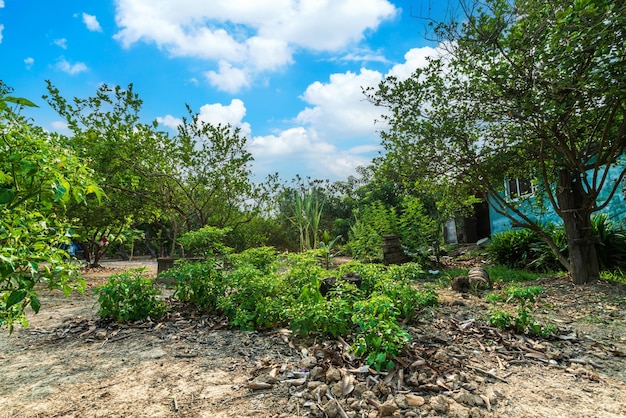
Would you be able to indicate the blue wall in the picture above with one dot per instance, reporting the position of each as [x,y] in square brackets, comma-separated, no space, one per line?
[616,209]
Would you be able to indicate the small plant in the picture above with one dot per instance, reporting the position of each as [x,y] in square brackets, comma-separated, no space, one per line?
[199,283]
[380,336]
[500,319]
[522,321]
[261,258]
[370,273]
[615,276]
[326,249]
[332,316]
[253,300]
[611,245]
[406,271]
[407,298]
[129,296]
[523,249]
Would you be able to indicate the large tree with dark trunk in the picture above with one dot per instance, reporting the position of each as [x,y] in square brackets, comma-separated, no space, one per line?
[521,89]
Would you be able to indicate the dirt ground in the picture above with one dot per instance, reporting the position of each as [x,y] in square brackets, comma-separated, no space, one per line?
[68,363]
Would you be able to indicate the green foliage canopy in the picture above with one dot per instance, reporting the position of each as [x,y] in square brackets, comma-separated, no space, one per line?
[39,179]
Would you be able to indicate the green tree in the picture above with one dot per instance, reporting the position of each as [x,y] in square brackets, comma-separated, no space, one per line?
[39,178]
[199,177]
[526,88]
[127,156]
[211,180]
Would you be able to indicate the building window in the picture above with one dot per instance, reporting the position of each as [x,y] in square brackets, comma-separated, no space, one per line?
[518,187]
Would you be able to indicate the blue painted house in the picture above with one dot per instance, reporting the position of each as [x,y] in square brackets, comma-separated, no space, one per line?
[487,221]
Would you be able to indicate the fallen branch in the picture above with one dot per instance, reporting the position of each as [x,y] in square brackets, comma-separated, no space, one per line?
[488,373]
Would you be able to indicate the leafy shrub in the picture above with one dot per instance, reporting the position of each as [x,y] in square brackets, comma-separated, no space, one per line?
[501,319]
[373,222]
[522,321]
[207,241]
[611,247]
[406,271]
[258,293]
[303,269]
[380,336]
[615,276]
[199,283]
[261,258]
[370,273]
[418,230]
[312,313]
[129,296]
[253,300]
[524,249]
[408,299]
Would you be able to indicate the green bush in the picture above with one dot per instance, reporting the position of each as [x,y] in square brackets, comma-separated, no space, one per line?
[253,300]
[199,283]
[406,271]
[263,290]
[380,336]
[611,246]
[261,258]
[129,296]
[522,321]
[418,230]
[408,299]
[524,249]
[207,241]
[373,222]
[370,273]
[312,313]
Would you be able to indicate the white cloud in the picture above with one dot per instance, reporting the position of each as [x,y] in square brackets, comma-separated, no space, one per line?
[215,114]
[72,69]
[340,107]
[328,25]
[1,4]
[291,142]
[232,114]
[228,78]
[300,149]
[245,37]
[169,121]
[29,62]
[62,43]
[364,55]
[91,22]
[268,54]
[415,58]
[1,29]
[60,126]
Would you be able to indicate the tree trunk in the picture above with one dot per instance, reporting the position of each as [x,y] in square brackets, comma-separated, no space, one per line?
[149,246]
[121,251]
[576,214]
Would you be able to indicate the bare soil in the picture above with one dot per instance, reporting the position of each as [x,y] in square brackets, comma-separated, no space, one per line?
[68,363]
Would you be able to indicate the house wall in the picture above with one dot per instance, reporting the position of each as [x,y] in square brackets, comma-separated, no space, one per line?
[616,209]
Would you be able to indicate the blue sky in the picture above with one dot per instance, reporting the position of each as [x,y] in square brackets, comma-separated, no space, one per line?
[288,72]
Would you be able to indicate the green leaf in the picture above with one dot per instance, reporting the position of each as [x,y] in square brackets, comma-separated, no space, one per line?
[15,297]
[6,196]
[19,100]
[35,303]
